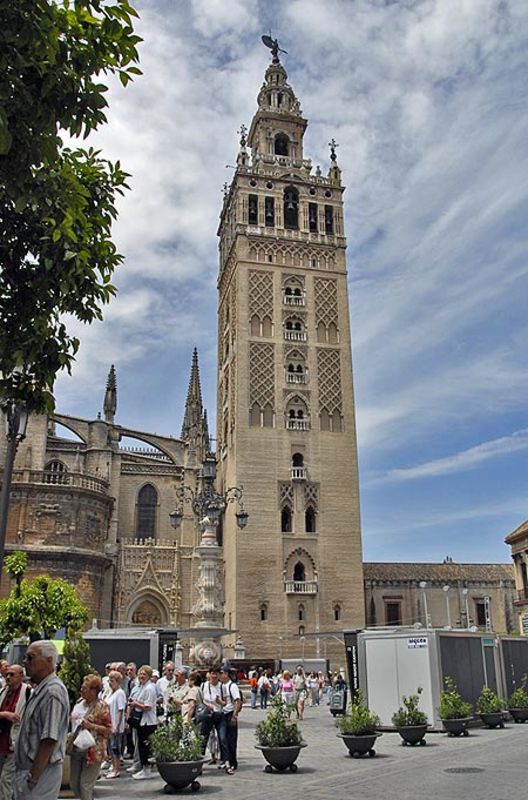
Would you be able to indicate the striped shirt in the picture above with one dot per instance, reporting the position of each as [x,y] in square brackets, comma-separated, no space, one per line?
[45,717]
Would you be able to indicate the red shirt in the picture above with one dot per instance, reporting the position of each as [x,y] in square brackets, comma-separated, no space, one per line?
[9,704]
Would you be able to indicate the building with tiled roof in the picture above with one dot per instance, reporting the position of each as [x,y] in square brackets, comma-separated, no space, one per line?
[446,594]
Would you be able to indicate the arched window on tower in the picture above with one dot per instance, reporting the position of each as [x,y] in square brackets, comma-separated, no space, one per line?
[282,144]
[337,612]
[146,512]
[286,520]
[263,612]
[309,520]
[301,613]
[291,208]
[299,572]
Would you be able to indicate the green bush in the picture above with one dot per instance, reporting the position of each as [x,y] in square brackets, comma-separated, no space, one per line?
[358,720]
[176,741]
[277,730]
[488,701]
[409,714]
[519,698]
[451,704]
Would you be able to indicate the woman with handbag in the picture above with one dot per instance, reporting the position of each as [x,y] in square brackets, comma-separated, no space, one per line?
[144,702]
[91,727]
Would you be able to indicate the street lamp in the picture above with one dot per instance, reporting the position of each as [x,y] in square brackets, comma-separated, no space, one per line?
[446,590]
[423,584]
[16,419]
[209,506]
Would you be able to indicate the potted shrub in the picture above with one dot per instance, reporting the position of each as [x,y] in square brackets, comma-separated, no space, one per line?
[489,708]
[177,748]
[358,728]
[518,702]
[409,721]
[278,738]
[454,712]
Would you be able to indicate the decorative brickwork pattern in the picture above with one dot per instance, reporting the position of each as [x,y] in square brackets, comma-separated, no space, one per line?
[329,378]
[261,374]
[311,495]
[261,295]
[285,494]
[325,291]
[296,255]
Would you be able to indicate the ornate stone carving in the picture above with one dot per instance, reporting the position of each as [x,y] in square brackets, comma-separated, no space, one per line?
[325,292]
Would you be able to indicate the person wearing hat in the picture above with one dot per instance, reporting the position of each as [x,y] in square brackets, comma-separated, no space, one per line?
[229,725]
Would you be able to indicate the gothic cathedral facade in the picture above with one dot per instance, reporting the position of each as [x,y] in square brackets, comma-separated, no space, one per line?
[285,404]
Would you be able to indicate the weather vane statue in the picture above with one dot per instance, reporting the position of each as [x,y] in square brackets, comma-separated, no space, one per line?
[273,45]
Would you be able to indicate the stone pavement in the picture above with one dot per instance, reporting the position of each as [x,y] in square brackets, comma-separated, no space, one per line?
[487,765]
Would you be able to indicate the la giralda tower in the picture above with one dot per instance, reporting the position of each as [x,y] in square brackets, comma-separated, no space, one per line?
[285,410]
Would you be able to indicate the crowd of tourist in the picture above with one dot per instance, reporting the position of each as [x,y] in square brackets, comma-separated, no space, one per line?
[111,723]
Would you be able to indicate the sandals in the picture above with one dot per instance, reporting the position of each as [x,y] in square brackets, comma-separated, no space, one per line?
[229,771]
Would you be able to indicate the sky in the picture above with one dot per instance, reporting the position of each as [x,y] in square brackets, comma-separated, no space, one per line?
[427,100]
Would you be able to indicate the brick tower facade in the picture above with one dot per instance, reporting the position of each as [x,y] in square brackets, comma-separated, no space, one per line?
[285,414]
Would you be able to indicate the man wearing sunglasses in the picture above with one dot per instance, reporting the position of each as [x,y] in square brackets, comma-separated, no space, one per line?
[12,702]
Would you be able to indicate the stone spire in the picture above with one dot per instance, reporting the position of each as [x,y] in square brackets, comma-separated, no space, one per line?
[110,398]
[193,416]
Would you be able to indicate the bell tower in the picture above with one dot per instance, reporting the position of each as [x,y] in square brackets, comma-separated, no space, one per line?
[285,410]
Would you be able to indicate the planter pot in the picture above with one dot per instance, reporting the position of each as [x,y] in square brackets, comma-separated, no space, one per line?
[455,727]
[519,714]
[360,745]
[413,734]
[281,758]
[493,719]
[179,774]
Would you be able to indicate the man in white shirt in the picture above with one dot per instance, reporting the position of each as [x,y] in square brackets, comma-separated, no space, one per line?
[165,682]
[229,728]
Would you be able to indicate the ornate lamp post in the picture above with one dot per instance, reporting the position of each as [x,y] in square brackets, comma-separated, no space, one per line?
[16,418]
[208,506]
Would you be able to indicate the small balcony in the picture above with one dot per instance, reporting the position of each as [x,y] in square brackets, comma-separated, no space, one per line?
[300,587]
[293,300]
[295,336]
[297,425]
[76,480]
[296,377]
[522,598]
[298,473]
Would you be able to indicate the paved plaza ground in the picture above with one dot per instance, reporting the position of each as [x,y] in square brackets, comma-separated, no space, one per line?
[487,765]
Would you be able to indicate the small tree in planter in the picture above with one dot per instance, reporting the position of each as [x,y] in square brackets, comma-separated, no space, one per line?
[518,702]
[279,739]
[489,708]
[177,748]
[454,712]
[358,728]
[410,722]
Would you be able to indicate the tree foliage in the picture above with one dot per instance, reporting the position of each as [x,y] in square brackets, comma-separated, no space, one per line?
[75,664]
[40,607]
[57,204]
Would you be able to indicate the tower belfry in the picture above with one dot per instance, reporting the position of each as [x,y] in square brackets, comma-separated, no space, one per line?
[285,409]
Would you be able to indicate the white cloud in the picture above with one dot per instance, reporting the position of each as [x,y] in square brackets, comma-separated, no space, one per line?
[457,462]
